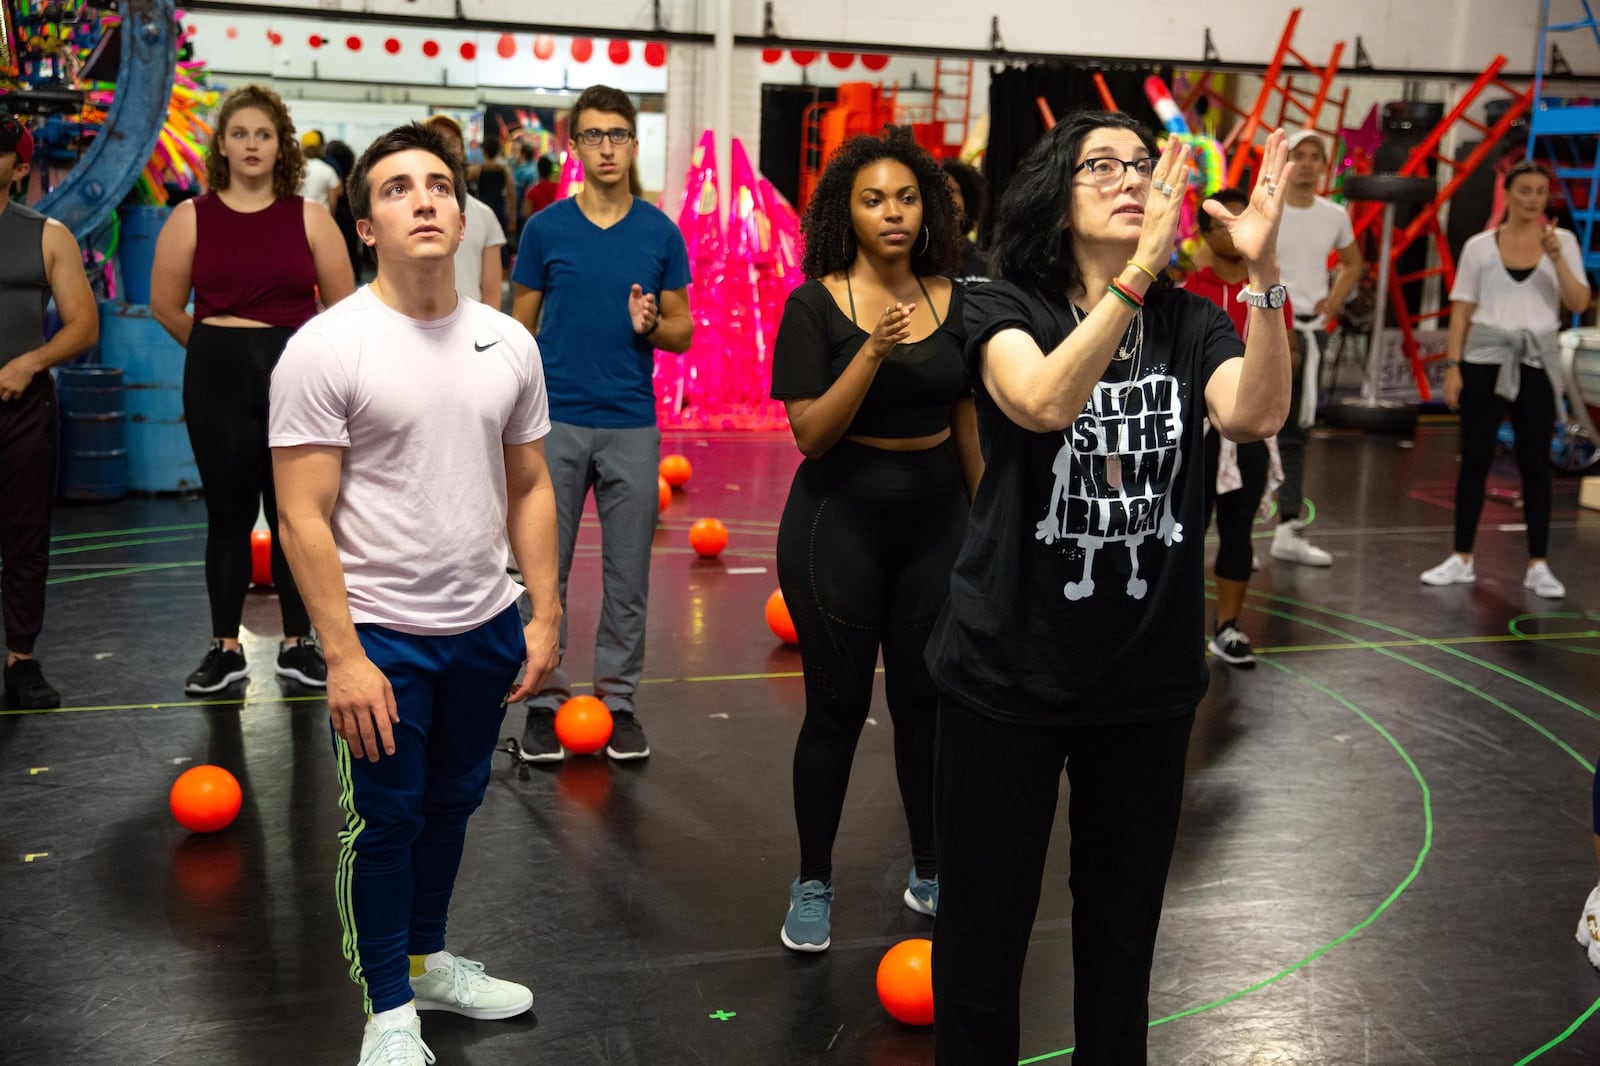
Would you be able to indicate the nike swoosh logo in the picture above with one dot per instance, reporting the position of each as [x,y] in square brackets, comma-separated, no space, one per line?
[484,347]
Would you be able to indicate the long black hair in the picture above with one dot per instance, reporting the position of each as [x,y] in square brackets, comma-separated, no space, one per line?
[1031,248]
[830,237]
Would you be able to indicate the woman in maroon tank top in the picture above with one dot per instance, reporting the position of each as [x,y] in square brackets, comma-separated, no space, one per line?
[257,258]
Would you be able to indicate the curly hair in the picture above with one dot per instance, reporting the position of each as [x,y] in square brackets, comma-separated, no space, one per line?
[830,236]
[1032,248]
[288,171]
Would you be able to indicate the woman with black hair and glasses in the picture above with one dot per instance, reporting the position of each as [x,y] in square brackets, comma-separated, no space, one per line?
[868,364]
[1074,635]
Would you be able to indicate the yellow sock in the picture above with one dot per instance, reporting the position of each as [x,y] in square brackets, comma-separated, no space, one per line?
[419,965]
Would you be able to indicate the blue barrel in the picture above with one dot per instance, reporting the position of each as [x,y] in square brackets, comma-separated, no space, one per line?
[94,448]
[138,227]
[159,456]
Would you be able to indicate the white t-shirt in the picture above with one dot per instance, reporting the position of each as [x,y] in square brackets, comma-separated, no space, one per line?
[422,409]
[1306,237]
[1503,302]
[483,231]
[320,181]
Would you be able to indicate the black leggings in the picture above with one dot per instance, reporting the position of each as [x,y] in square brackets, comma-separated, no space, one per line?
[998,784]
[1533,415]
[1236,510]
[226,379]
[865,550]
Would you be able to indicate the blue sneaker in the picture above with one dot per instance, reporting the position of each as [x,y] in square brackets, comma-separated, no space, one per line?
[921,895]
[806,926]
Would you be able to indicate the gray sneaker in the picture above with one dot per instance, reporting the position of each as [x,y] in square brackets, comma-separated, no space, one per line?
[627,738]
[806,928]
[539,743]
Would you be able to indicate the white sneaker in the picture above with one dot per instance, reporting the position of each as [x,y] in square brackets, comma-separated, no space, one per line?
[1289,545]
[1453,571]
[1543,582]
[1589,927]
[461,987]
[401,1046]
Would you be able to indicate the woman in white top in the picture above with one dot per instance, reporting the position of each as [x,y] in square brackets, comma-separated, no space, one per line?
[1512,284]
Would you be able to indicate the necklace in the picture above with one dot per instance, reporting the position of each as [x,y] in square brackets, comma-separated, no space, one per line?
[1120,390]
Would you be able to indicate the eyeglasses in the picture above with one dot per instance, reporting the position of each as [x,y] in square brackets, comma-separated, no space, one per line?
[618,136]
[1106,170]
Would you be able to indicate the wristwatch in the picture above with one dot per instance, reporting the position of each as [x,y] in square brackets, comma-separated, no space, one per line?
[1273,298]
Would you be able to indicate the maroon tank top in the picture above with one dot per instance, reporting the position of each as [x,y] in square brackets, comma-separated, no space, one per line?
[256,266]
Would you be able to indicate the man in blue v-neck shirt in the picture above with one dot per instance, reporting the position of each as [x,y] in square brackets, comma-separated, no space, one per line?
[610,274]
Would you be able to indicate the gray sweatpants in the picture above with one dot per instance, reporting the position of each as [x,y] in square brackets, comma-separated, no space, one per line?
[620,465]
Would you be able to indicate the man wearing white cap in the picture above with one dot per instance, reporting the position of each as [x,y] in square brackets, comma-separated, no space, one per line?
[1312,229]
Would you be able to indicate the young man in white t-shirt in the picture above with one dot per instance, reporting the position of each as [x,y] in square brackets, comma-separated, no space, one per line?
[479,273]
[406,432]
[1312,229]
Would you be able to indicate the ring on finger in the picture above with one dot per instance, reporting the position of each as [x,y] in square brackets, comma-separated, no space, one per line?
[1162,187]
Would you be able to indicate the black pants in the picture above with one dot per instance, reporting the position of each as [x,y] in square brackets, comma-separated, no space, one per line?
[997,790]
[1236,510]
[28,448]
[865,550]
[1533,415]
[226,379]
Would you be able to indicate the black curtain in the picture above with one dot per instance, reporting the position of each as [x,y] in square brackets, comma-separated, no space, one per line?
[782,132]
[1016,123]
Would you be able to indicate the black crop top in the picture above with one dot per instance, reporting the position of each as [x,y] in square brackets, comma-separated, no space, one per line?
[914,387]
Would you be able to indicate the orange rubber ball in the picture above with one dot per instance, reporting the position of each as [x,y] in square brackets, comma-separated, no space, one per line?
[708,536]
[675,470]
[778,619]
[261,558]
[905,981]
[583,725]
[205,799]
[663,494]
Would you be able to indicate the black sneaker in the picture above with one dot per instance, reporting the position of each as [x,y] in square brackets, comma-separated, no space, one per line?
[627,737]
[539,743]
[302,661]
[219,669]
[1233,648]
[26,688]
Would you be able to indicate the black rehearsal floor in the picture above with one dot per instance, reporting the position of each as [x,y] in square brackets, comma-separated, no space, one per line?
[1385,847]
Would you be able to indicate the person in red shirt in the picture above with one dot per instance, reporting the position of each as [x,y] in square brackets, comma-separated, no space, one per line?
[542,193]
[1236,474]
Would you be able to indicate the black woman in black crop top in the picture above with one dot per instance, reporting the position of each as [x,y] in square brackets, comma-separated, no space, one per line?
[868,361]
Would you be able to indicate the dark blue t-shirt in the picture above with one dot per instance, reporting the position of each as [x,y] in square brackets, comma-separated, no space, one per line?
[596,368]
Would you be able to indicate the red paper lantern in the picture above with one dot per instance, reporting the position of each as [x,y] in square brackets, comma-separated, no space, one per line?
[582,49]
[841,60]
[506,46]
[392,46]
[655,54]
[314,41]
[771,55]
[805,59]
[619,52]
[874,62]
[544,46]
[233,32]
[469,51]
[274,38]
[430,49]
[353,43]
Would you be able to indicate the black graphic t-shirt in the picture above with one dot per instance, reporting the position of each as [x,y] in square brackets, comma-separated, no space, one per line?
[1079,591]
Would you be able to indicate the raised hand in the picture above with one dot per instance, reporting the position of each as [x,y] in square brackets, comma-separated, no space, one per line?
[1163,205]
[1550,242]
[892,329]
[1255,229]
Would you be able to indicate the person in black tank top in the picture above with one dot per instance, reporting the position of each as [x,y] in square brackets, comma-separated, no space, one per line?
[39,260]
[492,180]
[868,363]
